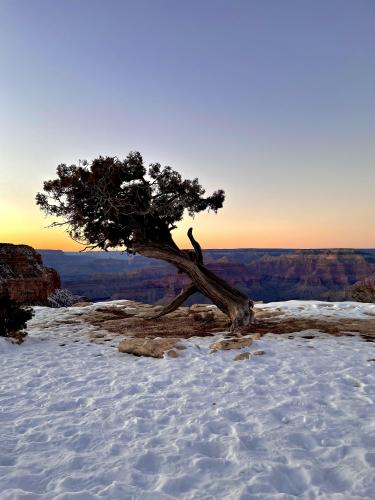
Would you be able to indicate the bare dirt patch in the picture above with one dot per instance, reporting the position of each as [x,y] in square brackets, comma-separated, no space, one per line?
[278,323]
[131,320]
[184,323]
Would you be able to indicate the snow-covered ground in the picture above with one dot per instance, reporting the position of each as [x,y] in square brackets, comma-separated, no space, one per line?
[82,421]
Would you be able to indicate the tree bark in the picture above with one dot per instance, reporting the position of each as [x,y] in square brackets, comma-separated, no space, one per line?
[235,304]
[177,301]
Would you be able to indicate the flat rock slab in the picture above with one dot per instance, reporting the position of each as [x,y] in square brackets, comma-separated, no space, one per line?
[154,348]
[232,343]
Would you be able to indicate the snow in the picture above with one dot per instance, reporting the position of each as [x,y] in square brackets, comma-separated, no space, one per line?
[299,309]
[82,421]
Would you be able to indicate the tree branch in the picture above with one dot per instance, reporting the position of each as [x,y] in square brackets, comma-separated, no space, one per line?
[177,301]
[196,246]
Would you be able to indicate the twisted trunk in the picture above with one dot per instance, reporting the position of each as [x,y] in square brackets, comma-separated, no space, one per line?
[228,299]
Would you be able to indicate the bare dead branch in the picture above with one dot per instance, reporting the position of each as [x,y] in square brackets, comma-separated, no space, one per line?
[177,301]
[196,246]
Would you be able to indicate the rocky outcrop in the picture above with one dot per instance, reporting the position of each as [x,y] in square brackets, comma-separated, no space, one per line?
[23,275]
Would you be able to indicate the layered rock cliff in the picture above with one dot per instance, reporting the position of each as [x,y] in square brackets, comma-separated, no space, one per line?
[23,275]
[264,274]
[309,274]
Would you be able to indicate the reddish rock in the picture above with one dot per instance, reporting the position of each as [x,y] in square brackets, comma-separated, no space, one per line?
[23,275]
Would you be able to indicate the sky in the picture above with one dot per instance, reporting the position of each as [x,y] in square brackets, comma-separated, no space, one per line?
[273,101]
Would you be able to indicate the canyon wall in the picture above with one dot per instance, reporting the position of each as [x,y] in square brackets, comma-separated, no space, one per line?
[263,274]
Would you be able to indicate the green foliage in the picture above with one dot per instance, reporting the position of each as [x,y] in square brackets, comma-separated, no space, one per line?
[13,318]
[114,203]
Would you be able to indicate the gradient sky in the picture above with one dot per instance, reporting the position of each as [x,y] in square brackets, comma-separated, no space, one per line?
[271,100]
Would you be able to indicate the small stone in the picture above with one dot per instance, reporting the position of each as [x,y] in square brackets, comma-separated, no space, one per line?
[258,353]
[98,335]
[173,354]
[241,356]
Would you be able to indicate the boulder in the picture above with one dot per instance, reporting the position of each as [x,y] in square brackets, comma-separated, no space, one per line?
[231,343]
[154,348]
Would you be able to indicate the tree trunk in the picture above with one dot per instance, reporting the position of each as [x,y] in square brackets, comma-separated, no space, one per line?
[228,299]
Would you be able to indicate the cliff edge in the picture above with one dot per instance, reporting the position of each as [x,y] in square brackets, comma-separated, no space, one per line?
[23,275]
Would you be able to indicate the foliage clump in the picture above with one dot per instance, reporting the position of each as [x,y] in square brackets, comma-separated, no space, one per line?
[13,318]
[114,203]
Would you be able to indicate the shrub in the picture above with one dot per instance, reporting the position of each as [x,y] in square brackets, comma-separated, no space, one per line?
[364,291]
[13,318]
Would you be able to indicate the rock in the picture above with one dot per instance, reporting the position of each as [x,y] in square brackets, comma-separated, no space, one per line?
[155,348]
[173,353]
[231,343]
[23,275]
[241,356]
[255,336]
[247,355]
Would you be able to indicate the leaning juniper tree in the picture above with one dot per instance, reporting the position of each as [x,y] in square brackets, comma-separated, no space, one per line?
[112,203]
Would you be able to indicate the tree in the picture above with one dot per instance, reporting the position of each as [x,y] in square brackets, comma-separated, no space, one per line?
[13,318]
[112,203]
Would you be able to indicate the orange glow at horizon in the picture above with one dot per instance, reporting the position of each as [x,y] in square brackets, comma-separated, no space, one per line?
[285,127]
[30,227]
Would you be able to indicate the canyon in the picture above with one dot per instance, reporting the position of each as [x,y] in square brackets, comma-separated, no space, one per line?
[264,274]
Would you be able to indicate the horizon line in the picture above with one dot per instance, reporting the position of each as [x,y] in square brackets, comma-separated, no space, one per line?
[211,249]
